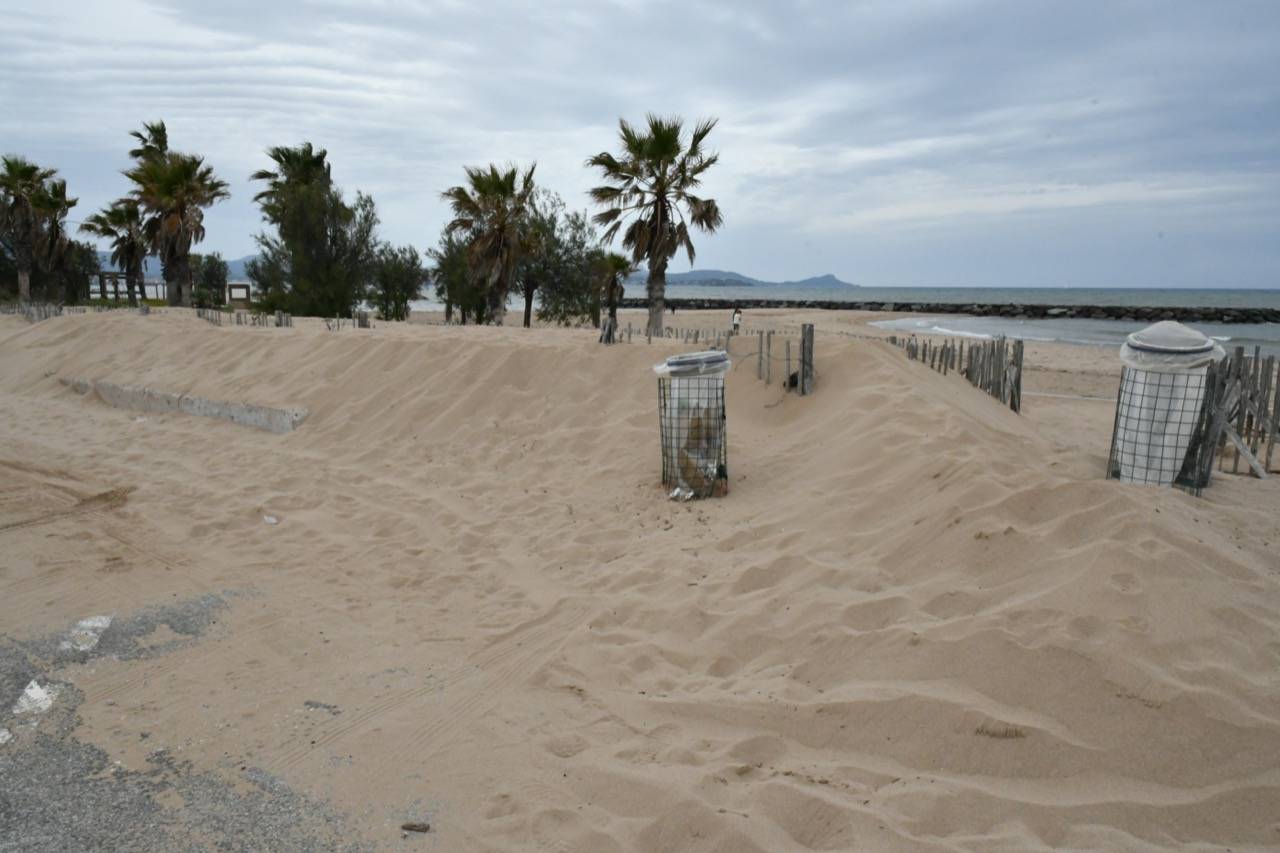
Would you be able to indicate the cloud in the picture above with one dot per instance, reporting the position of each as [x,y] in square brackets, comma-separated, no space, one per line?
[888,142]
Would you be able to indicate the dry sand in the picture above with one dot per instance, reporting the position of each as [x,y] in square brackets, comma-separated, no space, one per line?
[918,622]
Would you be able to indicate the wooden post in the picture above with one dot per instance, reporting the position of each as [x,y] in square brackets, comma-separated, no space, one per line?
[1275,422]
[768,359]
[1262,419]
[1255,391]
[786,377]
[806,359]
[1015,399]
[760,356]
[1237,374]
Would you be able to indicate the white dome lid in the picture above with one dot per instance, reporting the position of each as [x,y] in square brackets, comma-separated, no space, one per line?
[1169,347]
[1170,336]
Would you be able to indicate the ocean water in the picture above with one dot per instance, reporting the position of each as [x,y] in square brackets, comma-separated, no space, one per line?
[1172,297]
[1110,333]
[1074,331]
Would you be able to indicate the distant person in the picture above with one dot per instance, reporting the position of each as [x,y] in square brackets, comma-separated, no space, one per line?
[737,320]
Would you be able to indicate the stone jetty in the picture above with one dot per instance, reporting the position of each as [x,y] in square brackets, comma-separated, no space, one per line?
[1023,311]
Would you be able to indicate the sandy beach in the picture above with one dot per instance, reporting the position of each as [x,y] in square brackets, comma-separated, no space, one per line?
[457,595]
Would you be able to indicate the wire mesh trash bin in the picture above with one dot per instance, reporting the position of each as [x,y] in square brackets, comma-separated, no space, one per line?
[1162,386]
[691,415]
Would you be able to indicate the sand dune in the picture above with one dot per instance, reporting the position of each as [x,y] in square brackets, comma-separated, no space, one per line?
[918,622]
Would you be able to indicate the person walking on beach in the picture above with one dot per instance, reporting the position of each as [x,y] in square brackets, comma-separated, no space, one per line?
[737,320]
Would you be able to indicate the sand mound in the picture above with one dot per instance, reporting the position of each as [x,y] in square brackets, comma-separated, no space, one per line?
[917,622]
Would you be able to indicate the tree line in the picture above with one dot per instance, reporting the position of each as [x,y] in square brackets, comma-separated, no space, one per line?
[320,253]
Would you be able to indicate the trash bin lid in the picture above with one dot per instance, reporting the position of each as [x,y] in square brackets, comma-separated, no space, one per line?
[694,364]
[1170,336]
[1169,347]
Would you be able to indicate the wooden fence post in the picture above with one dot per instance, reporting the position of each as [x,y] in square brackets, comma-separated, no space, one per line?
[768,359]
[786,377]
[806,359]
[1015,398]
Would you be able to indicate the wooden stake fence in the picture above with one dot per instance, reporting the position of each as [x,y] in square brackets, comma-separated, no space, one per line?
[1240,418]
[994,366]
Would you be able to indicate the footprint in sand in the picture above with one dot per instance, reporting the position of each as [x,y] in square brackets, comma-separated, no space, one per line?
[1126,582]
[566,746]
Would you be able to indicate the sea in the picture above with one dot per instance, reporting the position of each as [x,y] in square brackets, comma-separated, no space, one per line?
[1068,330]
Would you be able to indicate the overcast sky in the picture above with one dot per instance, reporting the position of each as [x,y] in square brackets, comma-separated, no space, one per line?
[955,142]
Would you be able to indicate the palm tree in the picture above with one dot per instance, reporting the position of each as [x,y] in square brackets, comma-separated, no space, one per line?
[173,189]
[296,168]
[614,269]
[53,206]
[153,141]
[33,207]
[122,224]
[493,208]
[649,187]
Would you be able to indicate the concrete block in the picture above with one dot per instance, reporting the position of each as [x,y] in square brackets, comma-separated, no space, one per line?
[143,399]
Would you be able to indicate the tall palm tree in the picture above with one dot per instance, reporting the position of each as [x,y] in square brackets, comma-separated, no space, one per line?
[493,208]
[614,270]
[295,168]
[22,211]
[153,141]
[173,190]
[53,206]
[121,223]
[649,187]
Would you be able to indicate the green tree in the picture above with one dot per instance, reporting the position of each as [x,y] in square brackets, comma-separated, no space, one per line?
[33,212]
[568,292]
[540,263]
[493,209]
[649,188]
[451,276]
[173,189]
[321,257]
[209,272]
[398,278]
[73,272]
[121,223]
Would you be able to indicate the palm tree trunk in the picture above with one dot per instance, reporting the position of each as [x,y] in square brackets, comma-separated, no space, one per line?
[131,283]
[528,306]
[657,291]
[497,312]
[24,285]
[188,288]
[182,281]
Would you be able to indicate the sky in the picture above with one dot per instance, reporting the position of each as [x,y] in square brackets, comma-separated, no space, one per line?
[1012,143]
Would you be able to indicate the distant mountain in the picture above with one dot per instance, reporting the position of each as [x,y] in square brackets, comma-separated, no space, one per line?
[827,280]
[235,266]
[711,277]
[724,278]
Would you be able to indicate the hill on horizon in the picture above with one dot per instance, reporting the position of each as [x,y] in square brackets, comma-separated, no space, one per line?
[727,278]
